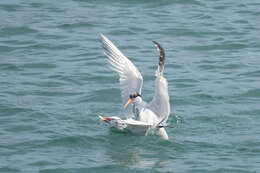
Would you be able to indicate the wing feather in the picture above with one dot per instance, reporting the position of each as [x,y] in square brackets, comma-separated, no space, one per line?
[160,104]
[130,79]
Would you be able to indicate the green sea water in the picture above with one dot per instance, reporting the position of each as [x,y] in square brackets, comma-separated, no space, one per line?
[54,80]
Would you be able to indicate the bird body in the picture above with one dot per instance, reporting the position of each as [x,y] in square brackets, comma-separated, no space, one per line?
[141,117]
[137,127]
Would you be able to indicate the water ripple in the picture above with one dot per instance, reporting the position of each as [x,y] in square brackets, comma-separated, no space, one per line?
[54,80]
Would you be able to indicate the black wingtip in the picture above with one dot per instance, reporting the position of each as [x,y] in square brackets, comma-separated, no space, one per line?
[162,56]
[160,48]
[154,42]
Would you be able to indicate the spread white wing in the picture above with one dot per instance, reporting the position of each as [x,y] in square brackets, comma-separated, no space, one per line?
[160,104]
[131,79]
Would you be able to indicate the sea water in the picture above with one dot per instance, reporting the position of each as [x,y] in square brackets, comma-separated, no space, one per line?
[54,81]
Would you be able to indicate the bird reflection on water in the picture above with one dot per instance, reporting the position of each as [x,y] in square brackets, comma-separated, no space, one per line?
[136,151]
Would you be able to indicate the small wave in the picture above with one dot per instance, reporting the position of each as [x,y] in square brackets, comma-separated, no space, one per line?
[76,25]
[7,31]
[106,95]
[9,67]
[9,169]
[230,46]
[77,141]
[10,7]
[254,93]
[6,48]
[255,73]
[39,65]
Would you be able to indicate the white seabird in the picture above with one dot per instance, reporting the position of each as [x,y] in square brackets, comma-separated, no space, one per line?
[140,116]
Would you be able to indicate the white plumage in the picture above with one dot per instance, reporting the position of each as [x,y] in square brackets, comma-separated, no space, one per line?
[141,116]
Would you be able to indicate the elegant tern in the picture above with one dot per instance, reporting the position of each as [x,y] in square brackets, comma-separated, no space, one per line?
[141,117]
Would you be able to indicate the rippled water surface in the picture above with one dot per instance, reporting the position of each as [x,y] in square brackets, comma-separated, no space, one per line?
[54,80]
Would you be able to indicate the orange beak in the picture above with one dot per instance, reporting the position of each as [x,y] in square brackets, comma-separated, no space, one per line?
[106,119]
[128,102]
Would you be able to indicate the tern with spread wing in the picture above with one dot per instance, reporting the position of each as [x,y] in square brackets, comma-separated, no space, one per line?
[141,117]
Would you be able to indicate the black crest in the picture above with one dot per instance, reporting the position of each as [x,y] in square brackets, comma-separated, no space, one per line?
[134,95]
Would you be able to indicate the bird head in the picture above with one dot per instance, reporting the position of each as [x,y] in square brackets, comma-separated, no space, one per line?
[135,97]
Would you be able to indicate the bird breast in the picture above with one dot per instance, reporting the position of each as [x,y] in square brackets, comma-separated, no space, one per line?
[148,116]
